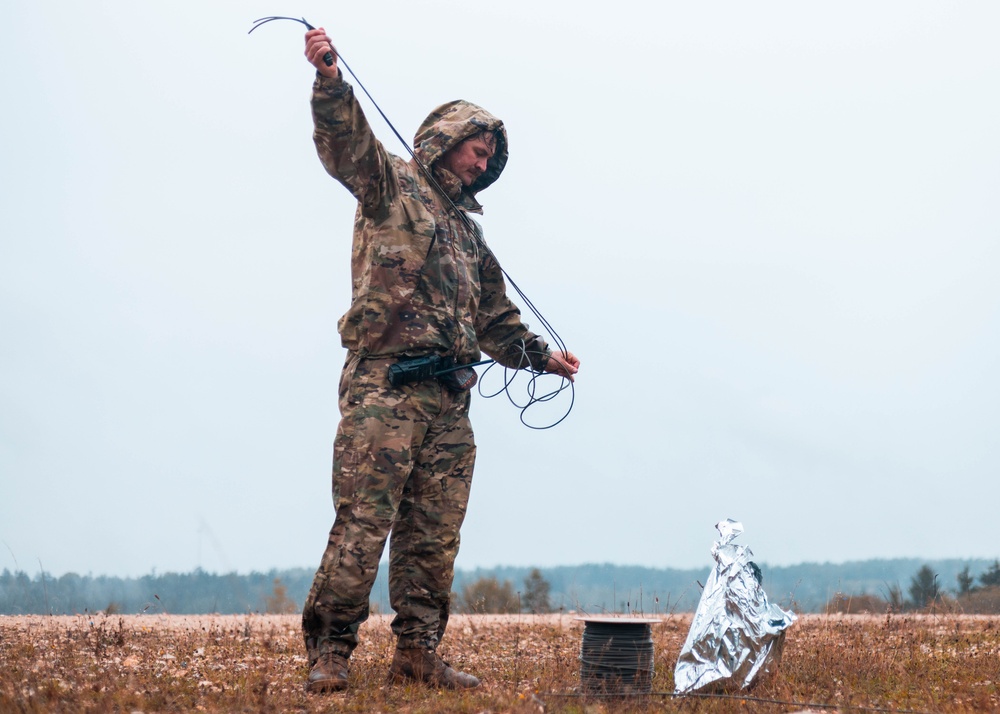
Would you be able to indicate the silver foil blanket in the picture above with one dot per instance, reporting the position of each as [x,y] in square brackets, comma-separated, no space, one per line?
[736,635]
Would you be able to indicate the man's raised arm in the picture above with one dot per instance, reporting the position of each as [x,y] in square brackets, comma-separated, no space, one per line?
[344,140]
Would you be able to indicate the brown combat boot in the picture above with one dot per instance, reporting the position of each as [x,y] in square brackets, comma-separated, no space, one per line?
[423,665]
[329,674]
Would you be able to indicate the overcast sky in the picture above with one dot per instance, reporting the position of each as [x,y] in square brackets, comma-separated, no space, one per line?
[770,231]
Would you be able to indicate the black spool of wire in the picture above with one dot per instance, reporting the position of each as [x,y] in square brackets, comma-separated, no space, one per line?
[616,656]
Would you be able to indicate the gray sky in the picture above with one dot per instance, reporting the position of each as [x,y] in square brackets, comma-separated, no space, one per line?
[770,231]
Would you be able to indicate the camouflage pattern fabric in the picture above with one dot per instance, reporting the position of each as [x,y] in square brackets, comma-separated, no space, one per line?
[421,285]
[403,460]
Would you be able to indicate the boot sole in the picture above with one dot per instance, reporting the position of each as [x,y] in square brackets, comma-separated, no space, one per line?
[402,679]
[327,686]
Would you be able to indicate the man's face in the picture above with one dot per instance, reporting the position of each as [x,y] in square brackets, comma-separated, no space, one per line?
[468,159]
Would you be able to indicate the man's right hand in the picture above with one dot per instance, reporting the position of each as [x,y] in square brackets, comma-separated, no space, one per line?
[317,45]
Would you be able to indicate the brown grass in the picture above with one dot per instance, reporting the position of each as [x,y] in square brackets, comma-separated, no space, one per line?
[255,663]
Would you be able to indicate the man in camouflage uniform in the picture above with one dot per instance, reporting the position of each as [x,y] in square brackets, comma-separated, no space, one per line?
[403,456]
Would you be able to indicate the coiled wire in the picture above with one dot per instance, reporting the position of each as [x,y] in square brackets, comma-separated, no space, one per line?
[616,658]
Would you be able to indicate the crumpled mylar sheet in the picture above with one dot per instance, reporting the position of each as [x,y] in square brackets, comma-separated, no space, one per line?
[736,635]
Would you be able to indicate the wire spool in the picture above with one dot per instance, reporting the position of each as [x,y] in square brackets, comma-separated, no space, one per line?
[616,656]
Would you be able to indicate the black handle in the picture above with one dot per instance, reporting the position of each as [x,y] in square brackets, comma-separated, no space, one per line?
[328,57]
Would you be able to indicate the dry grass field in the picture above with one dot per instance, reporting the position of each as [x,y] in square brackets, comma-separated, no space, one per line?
[255,663]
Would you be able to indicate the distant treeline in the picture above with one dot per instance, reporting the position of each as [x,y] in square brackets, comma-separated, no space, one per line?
[808,587]
[193,593]
[585,589]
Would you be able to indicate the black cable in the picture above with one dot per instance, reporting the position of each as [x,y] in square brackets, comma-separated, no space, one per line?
[327,58]
[523,366]
[473,229]
[462,216]
[477,235]
[757,700]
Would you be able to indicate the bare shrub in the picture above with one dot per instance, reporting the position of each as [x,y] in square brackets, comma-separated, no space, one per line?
[278,602]
[982,601]
[488,595]
[856,605]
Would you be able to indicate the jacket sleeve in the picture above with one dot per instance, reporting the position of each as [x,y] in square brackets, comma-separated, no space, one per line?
[499,329]
[347,147]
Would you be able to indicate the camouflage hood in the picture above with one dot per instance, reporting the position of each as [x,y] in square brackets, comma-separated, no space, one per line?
[450,124]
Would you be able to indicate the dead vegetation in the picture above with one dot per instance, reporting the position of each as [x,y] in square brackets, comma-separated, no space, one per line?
[255,663]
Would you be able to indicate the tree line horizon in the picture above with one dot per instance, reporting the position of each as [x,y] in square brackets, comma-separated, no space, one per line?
[876,585]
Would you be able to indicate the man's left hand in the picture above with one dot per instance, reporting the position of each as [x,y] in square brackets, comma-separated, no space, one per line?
[564,364]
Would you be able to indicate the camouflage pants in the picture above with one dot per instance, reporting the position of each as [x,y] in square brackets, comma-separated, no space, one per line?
[402,462]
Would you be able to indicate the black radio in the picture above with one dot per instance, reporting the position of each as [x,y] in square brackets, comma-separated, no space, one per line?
[417,369]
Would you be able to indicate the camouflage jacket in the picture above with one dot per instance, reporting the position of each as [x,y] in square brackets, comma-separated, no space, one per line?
[420,281]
